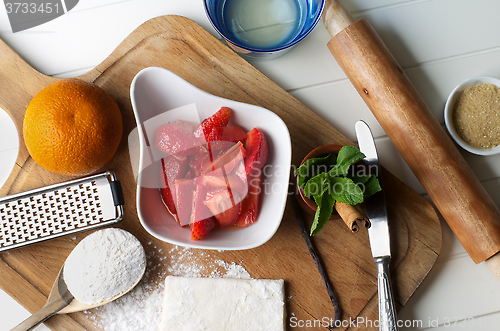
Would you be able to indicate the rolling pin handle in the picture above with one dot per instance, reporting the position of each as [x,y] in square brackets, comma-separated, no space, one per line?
[494,264]
[335,17]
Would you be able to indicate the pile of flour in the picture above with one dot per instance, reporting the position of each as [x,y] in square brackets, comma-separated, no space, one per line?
[141,308]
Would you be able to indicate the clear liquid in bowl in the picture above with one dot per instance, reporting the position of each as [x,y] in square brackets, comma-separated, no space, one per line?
[264,24]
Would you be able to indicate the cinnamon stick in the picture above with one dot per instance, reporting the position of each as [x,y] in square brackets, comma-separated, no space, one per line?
[352,216]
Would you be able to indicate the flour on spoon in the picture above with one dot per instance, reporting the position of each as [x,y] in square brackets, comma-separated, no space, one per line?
[103,265]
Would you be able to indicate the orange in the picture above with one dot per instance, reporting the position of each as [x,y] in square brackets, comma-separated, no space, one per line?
[72,127]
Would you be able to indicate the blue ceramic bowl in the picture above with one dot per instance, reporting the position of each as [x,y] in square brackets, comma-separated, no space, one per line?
[263,28]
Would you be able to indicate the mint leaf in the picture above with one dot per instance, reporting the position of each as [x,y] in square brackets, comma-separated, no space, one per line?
[325,204]
[344,190]
[348,155]
[316,185]
[313,167]
[360,179]
[329,179]
[371,186]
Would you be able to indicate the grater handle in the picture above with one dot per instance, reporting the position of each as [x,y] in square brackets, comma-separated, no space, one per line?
[51,308]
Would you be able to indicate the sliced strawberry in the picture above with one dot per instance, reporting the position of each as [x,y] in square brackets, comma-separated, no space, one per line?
[184,192]
[216,147]
[222,138]
[189,174]
[250,206]
[174,139]
[220,118]
[199,164]
[240,171]
[221,204]
[257,150]
[201,228]
[237,186]
[229,159]
[202,220]
[200,211]
[187,125]
[232,182]
[232,133]
[212,182]
[170,170]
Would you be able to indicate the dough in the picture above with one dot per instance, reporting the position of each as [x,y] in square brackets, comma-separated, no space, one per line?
[220,304]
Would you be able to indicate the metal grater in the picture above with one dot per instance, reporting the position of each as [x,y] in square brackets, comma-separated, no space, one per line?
[58,210]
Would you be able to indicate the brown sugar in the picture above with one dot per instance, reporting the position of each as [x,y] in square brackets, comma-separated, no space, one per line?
[476,116]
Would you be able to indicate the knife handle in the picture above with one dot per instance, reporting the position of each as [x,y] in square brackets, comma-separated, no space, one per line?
[386,309]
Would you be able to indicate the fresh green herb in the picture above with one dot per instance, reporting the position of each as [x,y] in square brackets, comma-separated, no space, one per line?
[372,186]
[348,155]
[331,178]
[313,167]
[344,190]
[325,204]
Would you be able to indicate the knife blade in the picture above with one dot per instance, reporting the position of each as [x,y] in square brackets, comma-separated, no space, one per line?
[376,211]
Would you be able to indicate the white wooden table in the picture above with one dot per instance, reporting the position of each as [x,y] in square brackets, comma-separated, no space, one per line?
[438,43]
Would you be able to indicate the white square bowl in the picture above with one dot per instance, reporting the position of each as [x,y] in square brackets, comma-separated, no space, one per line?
[159,96]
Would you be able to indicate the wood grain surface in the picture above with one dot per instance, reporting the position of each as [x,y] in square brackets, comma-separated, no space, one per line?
[180,45]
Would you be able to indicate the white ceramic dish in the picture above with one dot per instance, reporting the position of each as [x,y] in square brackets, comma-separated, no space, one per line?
[448,113]
[159,96]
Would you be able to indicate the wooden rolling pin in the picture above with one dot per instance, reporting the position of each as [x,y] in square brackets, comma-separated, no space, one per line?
[416,133]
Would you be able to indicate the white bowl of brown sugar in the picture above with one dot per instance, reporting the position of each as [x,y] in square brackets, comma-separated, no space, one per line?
[472,115]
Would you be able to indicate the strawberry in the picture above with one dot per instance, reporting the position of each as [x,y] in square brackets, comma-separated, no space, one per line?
[184,191]
[230,182]
[189,174]
[240,171]
[221,204]
[200,211]
[217,146]
[257,150]
[220,118]
[229,159]
[186,125]
[250,205]
[198,162]
[201,228]
[202,220]
[174,139]
[232,133]
[170,170]
[222,138]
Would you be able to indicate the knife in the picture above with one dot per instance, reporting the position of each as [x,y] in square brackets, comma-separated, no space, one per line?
[376,211]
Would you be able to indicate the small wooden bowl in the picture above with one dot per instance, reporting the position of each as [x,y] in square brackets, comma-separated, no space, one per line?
[307,204]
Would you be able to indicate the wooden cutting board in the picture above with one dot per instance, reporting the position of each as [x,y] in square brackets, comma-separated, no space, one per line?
[183,47]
